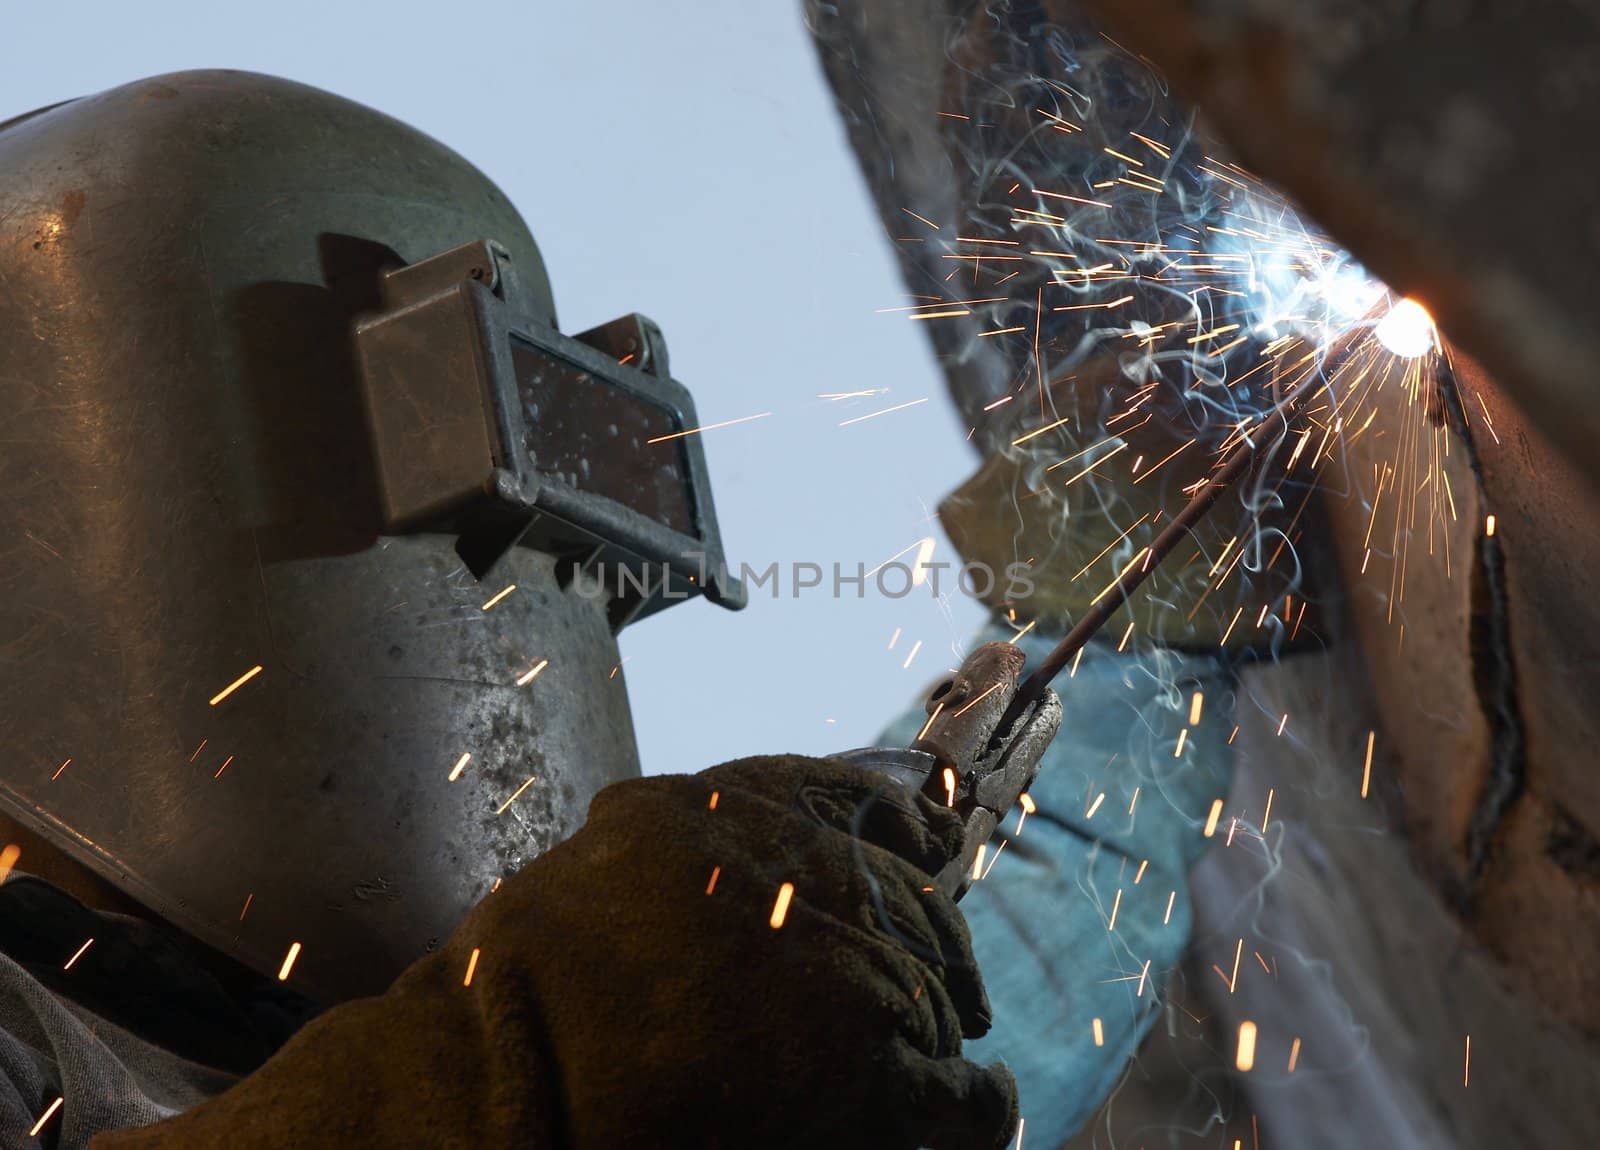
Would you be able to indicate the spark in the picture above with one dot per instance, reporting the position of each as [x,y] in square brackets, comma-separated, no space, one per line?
[977,861]
[915,647]
[34,538]
[461,765]
[198,749]
[1071,199]
[248,899]
[45,1117]
[1025,801]
[1488,525]
[708,427]
[1111,306]
[995,859]
[59,769]
[500,596]
[1159,149]
[533,673]
[712,805]
[1140,875]
[515,795]
[1212,334]
[949,787]
[1099,1033]
[885,411]
[919,567]
[77,954]
[1267,814]
[1133,802]
[1195,705]
[1110,545]
[1038,432]
[223,767]
[895,638]
[1117,582]
[780,909]
[1489,423]
[1366,771]
[1407,330]
[949,313]
[1021,633]
[472,966]
[1245,1058]
[1171,898]
[288,962]
[236,684]
[932,718]
[1177,751]
[1466,1066]
[1237,955]
[1294,1055]
[836,396]
[711,886]
[993,687]
[1283,722]
[924,219]
[1094,806]
[1212,818]
[1116,905]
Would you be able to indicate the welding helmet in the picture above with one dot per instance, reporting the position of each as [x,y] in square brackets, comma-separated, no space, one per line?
[317,532]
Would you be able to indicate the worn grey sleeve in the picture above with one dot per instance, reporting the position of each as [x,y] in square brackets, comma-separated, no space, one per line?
[1086,911]
[106,1078]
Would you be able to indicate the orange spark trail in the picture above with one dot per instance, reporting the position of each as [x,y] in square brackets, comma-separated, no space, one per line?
[236,684]
[707,427]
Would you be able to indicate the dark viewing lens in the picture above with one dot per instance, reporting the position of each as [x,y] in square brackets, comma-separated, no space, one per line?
[592,435]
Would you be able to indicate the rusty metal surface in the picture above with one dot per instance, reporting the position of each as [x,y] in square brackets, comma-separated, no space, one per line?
[1410,607]
[188,493]
[1484,701]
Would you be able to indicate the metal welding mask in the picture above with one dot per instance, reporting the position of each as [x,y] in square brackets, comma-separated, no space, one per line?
[306,500]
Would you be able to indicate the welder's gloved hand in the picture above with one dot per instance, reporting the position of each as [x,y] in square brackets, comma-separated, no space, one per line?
[630,988]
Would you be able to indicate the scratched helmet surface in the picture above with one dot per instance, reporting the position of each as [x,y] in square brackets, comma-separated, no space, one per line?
[252,440]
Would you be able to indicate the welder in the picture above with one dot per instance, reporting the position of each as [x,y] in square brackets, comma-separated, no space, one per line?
[311,681]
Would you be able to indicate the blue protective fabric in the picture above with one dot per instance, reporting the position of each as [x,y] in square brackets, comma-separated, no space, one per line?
[1041,919]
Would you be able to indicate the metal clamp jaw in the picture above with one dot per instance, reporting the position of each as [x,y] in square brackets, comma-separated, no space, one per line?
[963,758]
[495,427]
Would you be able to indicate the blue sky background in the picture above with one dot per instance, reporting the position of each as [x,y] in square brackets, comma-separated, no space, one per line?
[687,164]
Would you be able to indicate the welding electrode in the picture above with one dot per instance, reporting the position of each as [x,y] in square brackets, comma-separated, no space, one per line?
[1235,465]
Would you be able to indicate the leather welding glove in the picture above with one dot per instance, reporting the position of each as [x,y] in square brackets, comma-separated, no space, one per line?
[640,986]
